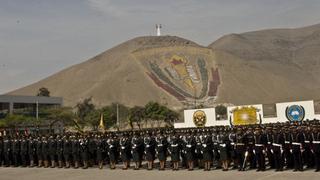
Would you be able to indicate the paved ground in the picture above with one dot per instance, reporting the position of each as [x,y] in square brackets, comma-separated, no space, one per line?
[105,174]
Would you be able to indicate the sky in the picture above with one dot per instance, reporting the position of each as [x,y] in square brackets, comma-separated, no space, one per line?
[41,37]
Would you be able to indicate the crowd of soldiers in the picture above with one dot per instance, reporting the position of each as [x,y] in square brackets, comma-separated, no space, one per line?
[274,146]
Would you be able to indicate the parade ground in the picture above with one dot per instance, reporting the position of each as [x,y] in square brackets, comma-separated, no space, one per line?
[118,174]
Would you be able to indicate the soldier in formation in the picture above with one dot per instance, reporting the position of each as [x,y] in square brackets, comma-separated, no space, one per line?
[274,146]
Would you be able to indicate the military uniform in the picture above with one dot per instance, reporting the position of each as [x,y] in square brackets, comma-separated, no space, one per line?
[125,152]
[161,150]
[297,148]
[23,151]
[175,151]
[278,145]
[15,146]
[207,151]
[31,151]
[84,152]
[59,143]
[52,147]
[75,149]
[149,150]
[67,150]
[316,149]
[113,151]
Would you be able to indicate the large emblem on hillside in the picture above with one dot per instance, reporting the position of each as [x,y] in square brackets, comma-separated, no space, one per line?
[295,113]
[199,118]
[184,78]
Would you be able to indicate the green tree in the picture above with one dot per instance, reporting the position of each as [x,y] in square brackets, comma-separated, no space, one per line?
[60,114]
[43,92]
[83,109]
[221,111]
[136,115]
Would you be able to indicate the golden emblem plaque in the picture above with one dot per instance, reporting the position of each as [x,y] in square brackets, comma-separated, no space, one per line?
[199,118]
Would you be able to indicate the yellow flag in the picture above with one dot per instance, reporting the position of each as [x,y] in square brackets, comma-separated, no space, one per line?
[101,124]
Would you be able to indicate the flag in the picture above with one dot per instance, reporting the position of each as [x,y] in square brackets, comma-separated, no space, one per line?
[101,124]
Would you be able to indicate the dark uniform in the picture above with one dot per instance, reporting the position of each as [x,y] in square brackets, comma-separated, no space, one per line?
[287,149]
[125,151]
[67,150]
[99,151]
[75,149]
[161,150]
[316,148]
[84,152]
[23,151]
[297,148]
[7,151]
[260,147]
[45,151]
[59,151]
[113,151]
[149,150]
[175,151]
[136,151]
[31,151]
[279,143]
[52,146]
[207,151]
[15,146]
[189,149]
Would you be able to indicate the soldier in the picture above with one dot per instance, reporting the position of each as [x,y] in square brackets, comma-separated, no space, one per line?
[113,150]
[189,149]
[270,139]
[38,144]
[125,151]
[1,149]
[241,149]
[6,150]
[15,146]
[24,151]
[99,150]
[316,147]
[233,154]
[161,150]
[67,150]
[278,145]
[45,151]
[149,150]
[261,143]
[91,150]
[59,143]
[136,146]
[75,149]
[174,151]
[307,155]
[207,151]
[198,148]
[31,150]
[84,151]
[52,146]
[297,149]
[287,148]
[224,146]
[216,154]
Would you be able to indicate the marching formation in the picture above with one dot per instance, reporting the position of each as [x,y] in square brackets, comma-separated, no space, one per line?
[274,146]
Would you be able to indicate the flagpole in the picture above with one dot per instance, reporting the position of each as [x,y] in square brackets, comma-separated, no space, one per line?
[37,110]
[118,122]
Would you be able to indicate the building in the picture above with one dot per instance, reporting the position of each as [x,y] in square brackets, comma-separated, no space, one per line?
[26,105]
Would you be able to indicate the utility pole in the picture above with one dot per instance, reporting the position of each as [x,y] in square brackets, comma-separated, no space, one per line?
[37,110]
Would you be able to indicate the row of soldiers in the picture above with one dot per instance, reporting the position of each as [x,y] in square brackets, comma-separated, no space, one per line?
[276,147]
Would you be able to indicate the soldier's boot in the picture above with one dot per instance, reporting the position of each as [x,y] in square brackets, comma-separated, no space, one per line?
[40,163]
[85,165]
[53,164]
[46,164]
[31,163]
[100,165]
[76,164]
[60,164]
[67,164]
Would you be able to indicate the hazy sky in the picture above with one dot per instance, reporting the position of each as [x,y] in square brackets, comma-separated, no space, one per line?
[41,37]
